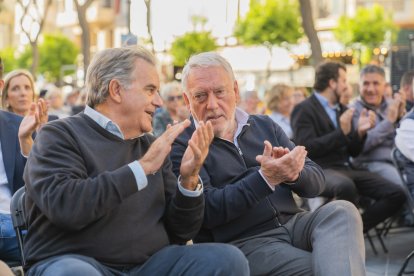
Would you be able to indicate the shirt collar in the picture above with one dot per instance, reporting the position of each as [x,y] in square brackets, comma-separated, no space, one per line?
[324,101]
[104,122]
[241,118]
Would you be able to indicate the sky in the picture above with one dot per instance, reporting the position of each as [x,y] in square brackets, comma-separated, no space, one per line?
[172,18]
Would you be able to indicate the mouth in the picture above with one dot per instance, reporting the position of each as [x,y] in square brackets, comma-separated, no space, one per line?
[214,117]
[151,113]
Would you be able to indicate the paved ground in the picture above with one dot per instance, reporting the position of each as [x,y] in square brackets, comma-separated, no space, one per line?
[400,242]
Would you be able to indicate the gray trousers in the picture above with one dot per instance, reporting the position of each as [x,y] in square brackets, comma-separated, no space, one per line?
[328,241]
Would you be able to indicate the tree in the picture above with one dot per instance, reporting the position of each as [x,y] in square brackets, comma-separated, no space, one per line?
[32,22]
[149,28]
[86,37]
[270,23]
[55,51]
[191,43]
[368,29]
[9,59]
[308,26]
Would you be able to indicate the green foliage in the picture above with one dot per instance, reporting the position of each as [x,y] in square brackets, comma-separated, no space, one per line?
[9,59]
[25,59]
[270,22]
[369,27]
[54,51]
[189,44]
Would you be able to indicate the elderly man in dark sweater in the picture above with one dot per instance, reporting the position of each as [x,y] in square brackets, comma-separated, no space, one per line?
[101,196]
[250,172]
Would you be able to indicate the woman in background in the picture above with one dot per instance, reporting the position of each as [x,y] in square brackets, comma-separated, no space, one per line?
[18,93]
[280,102]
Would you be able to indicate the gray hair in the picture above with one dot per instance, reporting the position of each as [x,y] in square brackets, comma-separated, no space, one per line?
[109,64]
[247,94]
[204,60]
[168,88]
[372,69]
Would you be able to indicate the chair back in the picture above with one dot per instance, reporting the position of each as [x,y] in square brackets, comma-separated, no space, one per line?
[399,163]
[19,218]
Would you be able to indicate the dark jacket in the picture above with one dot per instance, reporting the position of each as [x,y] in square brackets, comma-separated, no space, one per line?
[239,203]
[326,145]
[14,161]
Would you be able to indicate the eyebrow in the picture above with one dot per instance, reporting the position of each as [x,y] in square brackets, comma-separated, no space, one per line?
[150,86]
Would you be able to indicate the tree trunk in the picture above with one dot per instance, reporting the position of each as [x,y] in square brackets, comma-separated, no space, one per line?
[35,58]
[307,23]
[151,39]
[86,40]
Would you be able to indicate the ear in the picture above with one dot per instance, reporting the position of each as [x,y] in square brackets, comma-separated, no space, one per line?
[114,90]
[187,101]
[332,83]
[237,92]
[1,85]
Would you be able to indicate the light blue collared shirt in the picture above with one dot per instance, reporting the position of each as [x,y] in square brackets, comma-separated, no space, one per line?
[330,110]
[135,166]
[283,122]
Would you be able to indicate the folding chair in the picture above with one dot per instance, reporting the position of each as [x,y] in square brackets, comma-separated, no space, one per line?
[19,219]
[397,159]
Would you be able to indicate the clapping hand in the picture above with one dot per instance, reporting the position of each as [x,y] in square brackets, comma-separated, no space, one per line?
[32,122]
[366,121]
[280,165]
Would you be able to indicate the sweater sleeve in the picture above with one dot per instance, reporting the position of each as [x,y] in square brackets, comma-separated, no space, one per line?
[184,215]
[228,201]
[56,179]
[311,181]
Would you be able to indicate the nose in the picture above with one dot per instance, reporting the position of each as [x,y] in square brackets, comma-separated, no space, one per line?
[212,102]
[157,100]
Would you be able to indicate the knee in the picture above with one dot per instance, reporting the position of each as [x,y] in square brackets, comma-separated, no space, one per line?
[346,190]
[228,260]
[345,211]
[66,267]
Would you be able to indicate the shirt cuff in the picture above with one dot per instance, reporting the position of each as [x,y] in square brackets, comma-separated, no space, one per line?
[264,178]
[140,177]
[196,193]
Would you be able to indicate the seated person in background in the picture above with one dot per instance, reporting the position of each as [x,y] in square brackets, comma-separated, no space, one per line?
[407,88]
[250,172]
[174,110]
[249,102]
[324,126]
[299,94]
[347,96]
[101,198]
[55,101]
[279,101]
[18,92]
[12,164]
[405,145]
[376,151]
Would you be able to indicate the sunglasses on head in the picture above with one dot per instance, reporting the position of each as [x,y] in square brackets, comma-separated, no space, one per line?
[173,98]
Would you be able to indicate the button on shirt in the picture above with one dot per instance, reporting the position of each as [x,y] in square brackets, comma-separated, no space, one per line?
[138,171]
[330,110]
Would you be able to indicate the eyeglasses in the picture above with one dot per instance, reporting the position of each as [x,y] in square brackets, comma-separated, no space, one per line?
[173,98]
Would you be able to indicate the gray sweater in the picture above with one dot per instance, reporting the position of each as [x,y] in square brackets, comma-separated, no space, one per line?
[82,197]
[380,139]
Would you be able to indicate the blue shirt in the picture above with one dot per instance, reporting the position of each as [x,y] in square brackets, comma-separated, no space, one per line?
[283,122]
[137,170]
[330,110]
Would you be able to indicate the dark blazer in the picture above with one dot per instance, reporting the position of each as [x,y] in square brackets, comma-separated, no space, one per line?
[14,161]
[326,145]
